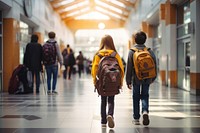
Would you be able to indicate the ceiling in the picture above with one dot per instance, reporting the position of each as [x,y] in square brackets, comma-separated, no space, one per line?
[88,14]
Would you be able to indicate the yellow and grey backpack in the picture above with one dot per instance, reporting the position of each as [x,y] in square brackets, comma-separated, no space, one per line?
[144,64]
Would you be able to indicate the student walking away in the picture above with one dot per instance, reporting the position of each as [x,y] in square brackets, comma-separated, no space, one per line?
[71,63]
[65,54]
[108,73]
[140,73]
[79,62]
[51,57]
[33,60]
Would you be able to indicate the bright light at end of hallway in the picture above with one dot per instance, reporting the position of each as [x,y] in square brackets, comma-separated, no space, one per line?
[101,26]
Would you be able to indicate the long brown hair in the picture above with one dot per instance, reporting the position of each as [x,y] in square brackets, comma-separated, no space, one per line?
[107,42]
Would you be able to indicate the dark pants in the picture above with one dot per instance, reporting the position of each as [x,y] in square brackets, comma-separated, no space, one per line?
[37,77]
[70,71]
[140,92]
[80,69]
[65,72]
[104,100]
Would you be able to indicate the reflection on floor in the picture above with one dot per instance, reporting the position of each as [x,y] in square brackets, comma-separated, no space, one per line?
[77,110]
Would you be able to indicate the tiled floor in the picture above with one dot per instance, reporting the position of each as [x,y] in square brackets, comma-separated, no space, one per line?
[77,110]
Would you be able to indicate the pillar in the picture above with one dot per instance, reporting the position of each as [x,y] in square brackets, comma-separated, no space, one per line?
[40,37]
[162,64]
[170,18]
[148,29]
[10,49]
[195,47]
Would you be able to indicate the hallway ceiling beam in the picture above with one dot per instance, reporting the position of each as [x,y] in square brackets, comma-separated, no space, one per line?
[68,5]
[116,13]
[127,3]
[93,24]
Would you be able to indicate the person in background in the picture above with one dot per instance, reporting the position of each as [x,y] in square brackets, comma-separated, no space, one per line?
[51,62]
[79,62]
[33,60]
[71,63]
[65,61]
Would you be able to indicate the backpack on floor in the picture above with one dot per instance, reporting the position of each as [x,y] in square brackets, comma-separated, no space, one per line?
[108,76]
[144,64]
[49,53]
[14,80]
[18,83]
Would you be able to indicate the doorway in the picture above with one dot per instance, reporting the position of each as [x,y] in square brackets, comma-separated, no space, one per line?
[184,64]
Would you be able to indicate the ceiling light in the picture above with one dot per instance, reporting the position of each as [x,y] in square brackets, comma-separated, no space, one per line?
[101,26]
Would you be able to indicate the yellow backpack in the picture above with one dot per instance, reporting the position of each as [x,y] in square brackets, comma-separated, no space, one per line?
[144,64]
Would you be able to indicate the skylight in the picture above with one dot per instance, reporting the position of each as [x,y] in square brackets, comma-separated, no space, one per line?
[63,3]
[108,6]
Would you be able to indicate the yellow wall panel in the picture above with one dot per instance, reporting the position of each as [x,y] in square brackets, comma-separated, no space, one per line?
[10,49]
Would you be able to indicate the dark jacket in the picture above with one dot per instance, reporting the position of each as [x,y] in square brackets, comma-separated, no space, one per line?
[131,77]
[71,59]
[65,56]
[33,56]
[80,59]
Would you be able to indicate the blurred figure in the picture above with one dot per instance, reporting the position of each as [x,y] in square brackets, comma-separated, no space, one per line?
[66,62]
[71,63]
[79,62]
[51,57]
[33,60]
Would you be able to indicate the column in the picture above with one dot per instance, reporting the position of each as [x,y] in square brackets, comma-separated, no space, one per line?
[40,37]
[148,29]
[171,49]
[10,49]
[163,57]
[195,47]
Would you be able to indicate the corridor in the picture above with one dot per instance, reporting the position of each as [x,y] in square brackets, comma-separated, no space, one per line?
[76,109]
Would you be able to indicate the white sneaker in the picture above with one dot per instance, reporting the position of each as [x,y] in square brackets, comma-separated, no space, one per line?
[136,122]
[103,125]
[111,122]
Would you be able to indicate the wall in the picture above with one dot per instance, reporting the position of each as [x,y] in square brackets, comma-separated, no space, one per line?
[42,21]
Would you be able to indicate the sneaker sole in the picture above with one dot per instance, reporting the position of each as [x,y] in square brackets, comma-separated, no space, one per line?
[146,119]
[136,123]
[111,123]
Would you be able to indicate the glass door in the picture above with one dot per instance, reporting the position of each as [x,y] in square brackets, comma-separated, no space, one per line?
[184,64]
[187,66]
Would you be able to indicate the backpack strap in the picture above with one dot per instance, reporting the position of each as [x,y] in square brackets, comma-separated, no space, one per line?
[100,56]
[135,49]
[113,54]
[145,49]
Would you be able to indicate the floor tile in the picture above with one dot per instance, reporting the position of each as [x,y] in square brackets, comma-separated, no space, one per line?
[77,109]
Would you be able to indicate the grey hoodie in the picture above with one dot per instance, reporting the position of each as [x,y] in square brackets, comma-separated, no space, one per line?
[131,77]
[59,57]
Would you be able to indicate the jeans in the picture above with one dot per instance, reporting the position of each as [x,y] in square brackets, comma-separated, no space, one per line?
[37,77]
[65,72]
[144,95]
[51,70]
[103,107]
